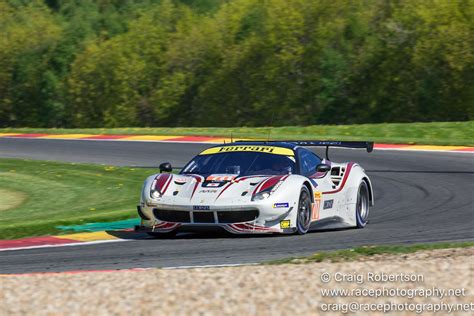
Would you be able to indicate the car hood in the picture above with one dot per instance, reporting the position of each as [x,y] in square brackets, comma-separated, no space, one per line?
[197,191]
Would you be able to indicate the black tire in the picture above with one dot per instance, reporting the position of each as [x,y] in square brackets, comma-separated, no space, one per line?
[362,205]
[303,217]
[166,235]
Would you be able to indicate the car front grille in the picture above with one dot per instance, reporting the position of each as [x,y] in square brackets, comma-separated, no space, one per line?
[223,217]
[172,216]
[203,217]
[226,217]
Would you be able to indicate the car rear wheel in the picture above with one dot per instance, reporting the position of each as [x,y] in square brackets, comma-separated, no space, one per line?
[303,219]
[362,205]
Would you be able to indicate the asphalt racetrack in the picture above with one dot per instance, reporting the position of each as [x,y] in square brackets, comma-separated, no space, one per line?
[419,197]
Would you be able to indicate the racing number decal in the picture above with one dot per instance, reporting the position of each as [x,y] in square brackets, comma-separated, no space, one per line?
[316,206]
[220,178]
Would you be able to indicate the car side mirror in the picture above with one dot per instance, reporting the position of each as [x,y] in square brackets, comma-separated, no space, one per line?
[322,167]
[165,167]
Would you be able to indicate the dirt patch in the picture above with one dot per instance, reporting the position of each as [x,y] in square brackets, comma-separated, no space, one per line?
[10,199]
[250,290]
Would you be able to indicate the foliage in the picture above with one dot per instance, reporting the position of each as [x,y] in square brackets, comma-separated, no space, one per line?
[116,63]
[65,194]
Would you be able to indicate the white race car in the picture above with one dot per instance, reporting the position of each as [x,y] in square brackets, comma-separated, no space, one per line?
[258,187]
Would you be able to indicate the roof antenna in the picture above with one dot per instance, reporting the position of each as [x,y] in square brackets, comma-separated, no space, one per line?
[271,125]
[231,137]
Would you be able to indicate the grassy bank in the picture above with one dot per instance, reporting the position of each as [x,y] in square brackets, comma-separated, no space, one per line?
[48,194]
[367,251]
[437,133]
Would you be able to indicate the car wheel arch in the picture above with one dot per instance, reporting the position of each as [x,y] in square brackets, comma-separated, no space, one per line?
[310,189]
[371,192]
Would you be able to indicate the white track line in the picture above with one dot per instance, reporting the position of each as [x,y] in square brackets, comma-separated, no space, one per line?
[79,243]
[84,243]
[211,266]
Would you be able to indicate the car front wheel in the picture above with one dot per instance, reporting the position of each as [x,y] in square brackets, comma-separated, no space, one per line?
[303,220]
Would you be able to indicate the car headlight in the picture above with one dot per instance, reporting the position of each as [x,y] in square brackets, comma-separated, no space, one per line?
[267,187]
[155,194]
[261,196]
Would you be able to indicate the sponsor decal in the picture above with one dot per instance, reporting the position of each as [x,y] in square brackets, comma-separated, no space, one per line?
[279,205]
[285,224]
[264,149]
[201,207]
[208,191]
[316,206]
[213,184]
[315,211]
[328,204]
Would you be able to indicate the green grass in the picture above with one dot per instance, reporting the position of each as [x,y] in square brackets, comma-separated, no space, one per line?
[64,194]
[436,133]
[367,251]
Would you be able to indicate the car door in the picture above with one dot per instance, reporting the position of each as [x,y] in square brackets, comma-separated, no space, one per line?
[321,182]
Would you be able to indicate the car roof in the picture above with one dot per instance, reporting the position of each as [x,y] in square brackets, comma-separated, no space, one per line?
[260,143]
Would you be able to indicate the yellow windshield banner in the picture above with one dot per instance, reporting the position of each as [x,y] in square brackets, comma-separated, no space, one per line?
[254,148]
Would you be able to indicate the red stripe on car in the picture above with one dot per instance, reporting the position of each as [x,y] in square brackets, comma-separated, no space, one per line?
[225,188]
[198,180]
[268,183]
[167,184]
[161,181]
[346,175]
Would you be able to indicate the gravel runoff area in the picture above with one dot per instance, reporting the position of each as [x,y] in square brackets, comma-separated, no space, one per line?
[250,290]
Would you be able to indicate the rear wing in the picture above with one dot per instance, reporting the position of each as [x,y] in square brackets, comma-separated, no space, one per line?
[369,146]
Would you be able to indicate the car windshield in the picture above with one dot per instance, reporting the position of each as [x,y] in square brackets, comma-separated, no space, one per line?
[243,163]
